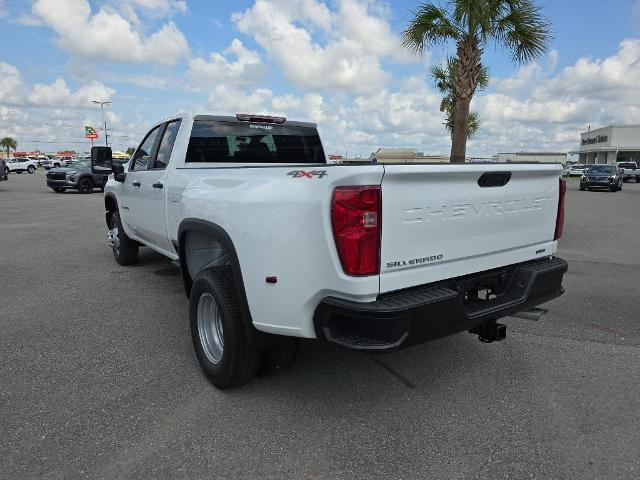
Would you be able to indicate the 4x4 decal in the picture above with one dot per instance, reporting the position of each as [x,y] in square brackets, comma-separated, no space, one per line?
[307,174]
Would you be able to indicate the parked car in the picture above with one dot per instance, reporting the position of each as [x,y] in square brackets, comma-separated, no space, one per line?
[47,163]
[275,244]
[629,171]
[77,176]
[4,170]
[22,164]
[577,170]
[62,161]
[602,176]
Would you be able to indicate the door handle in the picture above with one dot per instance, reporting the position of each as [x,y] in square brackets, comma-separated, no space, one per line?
[157,185]
[136,184]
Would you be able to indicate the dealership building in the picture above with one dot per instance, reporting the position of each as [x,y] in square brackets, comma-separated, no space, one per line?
[615,143]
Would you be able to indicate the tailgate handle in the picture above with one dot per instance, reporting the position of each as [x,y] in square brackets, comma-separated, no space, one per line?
[494,179]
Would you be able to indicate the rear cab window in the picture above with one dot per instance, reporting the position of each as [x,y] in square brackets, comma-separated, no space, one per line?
[232,141]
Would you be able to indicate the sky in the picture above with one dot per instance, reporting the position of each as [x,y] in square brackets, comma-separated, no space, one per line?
[339,63]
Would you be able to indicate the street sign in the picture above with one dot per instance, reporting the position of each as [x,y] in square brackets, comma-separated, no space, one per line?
[90,132]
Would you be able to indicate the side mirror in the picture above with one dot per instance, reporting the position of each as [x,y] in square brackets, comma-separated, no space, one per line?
[118,171]
[101,160]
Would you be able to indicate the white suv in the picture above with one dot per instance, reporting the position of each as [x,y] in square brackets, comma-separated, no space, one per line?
[22,164]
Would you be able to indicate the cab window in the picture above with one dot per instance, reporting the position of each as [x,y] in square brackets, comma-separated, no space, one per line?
[143,158]
[166,145]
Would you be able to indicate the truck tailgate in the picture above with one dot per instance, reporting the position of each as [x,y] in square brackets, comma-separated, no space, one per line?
[438,222]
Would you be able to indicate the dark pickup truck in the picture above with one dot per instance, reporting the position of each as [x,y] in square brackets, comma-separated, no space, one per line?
[76,176]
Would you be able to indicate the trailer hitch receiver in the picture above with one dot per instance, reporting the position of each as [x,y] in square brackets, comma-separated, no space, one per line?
[490,331]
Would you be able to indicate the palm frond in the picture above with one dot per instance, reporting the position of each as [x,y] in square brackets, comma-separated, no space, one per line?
[523,30]
[473,124]
[430,25]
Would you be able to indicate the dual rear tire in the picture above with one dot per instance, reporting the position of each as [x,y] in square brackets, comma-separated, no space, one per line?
[224,351]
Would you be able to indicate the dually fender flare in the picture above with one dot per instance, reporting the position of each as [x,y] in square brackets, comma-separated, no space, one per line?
[219,234]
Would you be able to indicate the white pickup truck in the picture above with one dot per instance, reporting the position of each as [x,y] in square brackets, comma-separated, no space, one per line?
[629,171]
[275,244]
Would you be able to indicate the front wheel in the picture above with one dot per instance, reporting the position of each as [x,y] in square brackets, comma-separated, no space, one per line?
[219,337]
[125,250]
[86,185]
[31,169]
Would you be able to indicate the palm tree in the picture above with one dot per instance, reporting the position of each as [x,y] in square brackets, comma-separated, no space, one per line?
[9,144]
[442,76]
[471,25]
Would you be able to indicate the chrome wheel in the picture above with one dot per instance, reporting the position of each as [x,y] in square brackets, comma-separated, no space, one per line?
[210,328]
[113,239]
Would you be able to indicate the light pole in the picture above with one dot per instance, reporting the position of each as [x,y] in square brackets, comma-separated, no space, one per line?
[104,121]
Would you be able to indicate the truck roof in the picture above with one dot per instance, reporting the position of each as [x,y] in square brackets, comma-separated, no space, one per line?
[229,118]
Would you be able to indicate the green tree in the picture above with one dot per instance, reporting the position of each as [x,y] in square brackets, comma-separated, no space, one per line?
[516,25]
[442,76]
[131,151]
[9,144]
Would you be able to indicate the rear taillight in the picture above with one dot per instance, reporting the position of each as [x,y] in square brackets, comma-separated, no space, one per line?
[356,220]
[560,216]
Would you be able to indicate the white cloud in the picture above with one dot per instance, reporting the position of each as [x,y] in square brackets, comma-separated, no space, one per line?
[615,77]
[320,49]
[106,35]
[246,69]
[532,110]
[13,91]
[57,94]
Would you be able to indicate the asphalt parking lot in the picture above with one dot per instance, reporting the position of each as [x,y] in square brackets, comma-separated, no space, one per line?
[99,378]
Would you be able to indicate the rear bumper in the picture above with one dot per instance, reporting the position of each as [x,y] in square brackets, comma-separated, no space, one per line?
[408,317]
